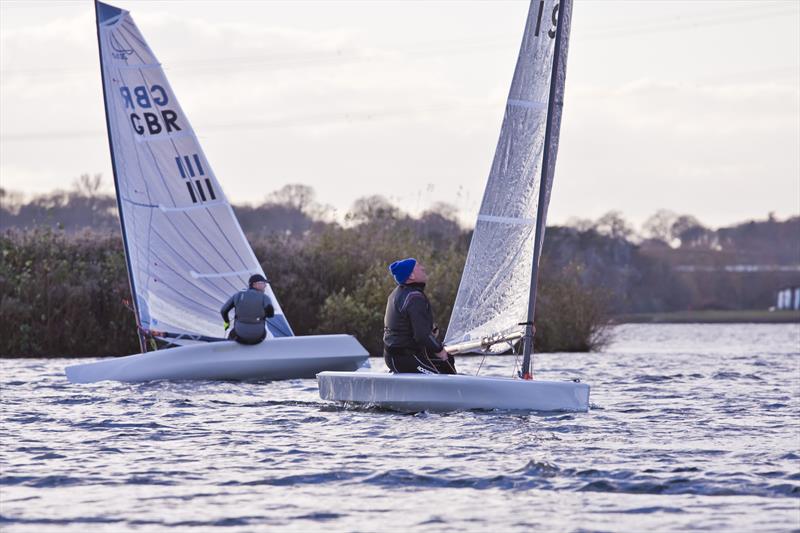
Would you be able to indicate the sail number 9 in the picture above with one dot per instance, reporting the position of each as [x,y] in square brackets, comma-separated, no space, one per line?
[553,18]
[152,122]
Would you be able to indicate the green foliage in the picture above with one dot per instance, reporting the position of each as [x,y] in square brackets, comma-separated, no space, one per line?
[570,317]
[62,296]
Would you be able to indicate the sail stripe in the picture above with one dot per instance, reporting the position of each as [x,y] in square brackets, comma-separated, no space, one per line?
[197,275]
[508,220]
[542,106]
[166,209]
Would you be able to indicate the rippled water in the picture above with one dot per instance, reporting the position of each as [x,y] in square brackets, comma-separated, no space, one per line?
[691,427]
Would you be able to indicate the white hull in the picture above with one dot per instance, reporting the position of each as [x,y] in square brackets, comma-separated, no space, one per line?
[273,359]
[421,392]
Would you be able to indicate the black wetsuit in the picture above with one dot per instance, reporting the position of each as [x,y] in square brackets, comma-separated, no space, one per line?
[409,342]
[253,307]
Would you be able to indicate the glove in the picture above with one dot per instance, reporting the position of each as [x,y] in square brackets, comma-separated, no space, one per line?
[269,311]
[227,325]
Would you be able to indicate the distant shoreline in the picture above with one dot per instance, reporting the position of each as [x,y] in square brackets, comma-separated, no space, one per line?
[710,317]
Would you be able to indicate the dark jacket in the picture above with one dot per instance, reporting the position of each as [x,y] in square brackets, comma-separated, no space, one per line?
[408,323]
[253,307]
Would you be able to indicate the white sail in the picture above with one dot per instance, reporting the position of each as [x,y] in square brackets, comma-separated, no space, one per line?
[495,287]
[186,251]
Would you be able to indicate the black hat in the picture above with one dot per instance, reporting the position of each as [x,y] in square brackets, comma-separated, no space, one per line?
[256,278]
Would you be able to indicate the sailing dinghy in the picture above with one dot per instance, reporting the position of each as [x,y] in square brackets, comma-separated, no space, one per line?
[496,299]
[185,251]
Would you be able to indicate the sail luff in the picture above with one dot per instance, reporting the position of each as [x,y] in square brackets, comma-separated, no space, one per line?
[131,283]
[562,32]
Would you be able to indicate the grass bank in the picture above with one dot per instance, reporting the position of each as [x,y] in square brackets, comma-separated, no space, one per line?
[711,317]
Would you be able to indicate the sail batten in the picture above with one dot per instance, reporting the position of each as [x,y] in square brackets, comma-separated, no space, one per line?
[185,249]
[495,289]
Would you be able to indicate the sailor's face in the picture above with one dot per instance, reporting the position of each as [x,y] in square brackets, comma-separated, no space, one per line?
[260,286]
[418,275]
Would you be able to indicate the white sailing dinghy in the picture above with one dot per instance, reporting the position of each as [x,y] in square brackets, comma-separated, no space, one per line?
[185,251]
[497,295]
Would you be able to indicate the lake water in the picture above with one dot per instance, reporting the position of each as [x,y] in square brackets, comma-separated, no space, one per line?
[692,427]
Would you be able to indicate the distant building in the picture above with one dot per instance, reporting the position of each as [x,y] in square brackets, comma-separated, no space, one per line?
[788,298]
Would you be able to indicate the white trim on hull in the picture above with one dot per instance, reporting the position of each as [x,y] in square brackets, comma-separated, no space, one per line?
[440,393]
[273,359]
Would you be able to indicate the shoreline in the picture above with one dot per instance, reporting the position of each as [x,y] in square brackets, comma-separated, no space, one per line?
[710,317]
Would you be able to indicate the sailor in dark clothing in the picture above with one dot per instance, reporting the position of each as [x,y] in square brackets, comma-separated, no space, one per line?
[409,335]
[253,307]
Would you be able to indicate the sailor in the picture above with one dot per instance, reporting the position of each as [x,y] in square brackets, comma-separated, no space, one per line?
[409,335]
[253,307]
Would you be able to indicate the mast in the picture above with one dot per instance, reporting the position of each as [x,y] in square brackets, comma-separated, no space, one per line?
[526,371]
[134,299]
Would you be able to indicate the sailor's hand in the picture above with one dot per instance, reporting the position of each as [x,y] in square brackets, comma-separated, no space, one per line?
[269,311]
[443,355]
[227,325]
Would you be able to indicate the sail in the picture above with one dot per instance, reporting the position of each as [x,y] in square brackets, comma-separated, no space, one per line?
[185,249]
[495,287]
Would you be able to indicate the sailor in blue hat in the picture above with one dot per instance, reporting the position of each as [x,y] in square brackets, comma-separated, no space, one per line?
[410,343]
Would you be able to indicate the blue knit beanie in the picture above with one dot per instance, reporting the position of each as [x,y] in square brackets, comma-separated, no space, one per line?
[402,269]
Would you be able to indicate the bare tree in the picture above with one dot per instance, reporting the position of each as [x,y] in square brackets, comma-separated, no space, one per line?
[659,225]
[300,197]
[614,225]
[372,208]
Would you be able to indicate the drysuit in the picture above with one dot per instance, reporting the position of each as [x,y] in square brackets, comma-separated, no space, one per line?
[409,335]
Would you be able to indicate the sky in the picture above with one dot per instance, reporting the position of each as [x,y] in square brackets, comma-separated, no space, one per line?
[692,106]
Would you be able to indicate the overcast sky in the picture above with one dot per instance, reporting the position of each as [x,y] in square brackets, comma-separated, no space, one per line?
[688,105]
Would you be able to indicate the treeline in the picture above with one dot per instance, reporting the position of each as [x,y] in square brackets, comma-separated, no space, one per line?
[65,294]
[331,274]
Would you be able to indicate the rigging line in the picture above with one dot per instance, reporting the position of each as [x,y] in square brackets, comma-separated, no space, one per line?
[697,18]
[481,365]
[610,32]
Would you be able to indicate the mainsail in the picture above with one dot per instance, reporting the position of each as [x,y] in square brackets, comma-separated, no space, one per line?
[495,291]
[185,249]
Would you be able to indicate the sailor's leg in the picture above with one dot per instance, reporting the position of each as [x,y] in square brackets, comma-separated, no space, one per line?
[407,363]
